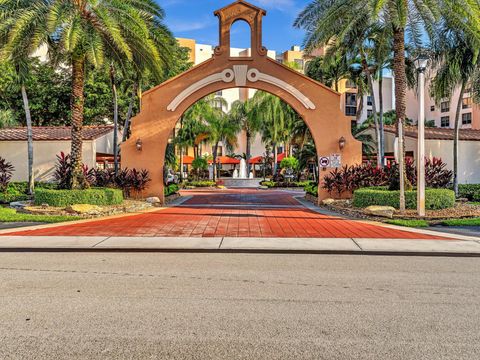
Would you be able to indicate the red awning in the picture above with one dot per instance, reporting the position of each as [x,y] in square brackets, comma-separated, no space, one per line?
[259,159]
[187,160]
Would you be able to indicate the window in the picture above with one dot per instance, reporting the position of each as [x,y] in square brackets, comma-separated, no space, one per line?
[369,112]
[299,63]
[219,93]
[350,104]
[467,119]
[279,149]
[467,103]
[445,106]
[432,108]
[445,121]
[218,104]
[369,100]
[351,84]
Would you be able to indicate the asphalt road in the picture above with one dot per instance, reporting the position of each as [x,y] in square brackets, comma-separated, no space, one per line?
[237,306]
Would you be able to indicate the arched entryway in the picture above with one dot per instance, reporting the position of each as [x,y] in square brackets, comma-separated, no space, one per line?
[162,106]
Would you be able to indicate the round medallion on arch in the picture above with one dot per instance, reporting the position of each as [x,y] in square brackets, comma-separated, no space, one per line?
[228,75]
[253,75]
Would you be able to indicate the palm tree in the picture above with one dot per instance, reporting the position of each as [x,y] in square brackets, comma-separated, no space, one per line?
[22,31]
[323,19]
[242,113]
[220,128]
[457,60]
[87,32]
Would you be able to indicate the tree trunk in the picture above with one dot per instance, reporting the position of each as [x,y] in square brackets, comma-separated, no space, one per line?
[78,100]
[456,139]
[249,150]
[181,163]
[360,105]
[28,117]
[380,120]
[366,70]
[126,126]
[215,150]
[115,119]
[275,158]
[400,103]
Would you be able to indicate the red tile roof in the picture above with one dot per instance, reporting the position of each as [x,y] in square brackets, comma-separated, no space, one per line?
[53,133]
[438,133]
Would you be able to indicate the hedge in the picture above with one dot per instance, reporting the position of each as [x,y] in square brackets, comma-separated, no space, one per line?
[434,198]
[94,196]
[171,189]
[204,183]
[469,191]
[285,184]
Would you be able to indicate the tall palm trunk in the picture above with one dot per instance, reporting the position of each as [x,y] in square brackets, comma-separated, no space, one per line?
[214,155]
[126,126]
[380,120]
[28,117]
[275,158]
[181,163]
[400,103]
[366,70]
[78,101]
[115,119]
[249,150]
[456,139]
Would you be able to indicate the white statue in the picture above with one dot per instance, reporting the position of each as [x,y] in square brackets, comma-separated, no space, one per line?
[251,175]
[235,174]
[243,169]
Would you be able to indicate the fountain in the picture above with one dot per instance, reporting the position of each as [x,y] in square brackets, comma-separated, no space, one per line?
[243,170]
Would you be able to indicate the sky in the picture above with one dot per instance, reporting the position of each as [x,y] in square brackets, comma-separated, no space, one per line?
[194,19]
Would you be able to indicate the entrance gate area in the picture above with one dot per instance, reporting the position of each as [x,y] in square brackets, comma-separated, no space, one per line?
[162,106]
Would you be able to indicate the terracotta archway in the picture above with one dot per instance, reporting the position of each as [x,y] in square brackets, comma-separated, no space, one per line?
[163,105]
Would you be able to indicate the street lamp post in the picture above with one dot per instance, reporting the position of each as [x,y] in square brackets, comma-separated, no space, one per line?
[421,65]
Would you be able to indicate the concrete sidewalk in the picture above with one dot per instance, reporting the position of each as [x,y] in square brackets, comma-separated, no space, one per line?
[232,244]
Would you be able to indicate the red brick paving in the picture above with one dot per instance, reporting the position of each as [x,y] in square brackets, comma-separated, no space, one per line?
[260,214]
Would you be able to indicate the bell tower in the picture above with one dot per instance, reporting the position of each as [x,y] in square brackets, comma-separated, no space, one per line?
[240,11]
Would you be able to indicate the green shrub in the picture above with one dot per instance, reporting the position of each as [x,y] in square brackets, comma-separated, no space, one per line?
[269,184]
[468,191]
[289,163]
[204,183]
[171,189]
[409,223]
[476,196]
[311,189]
[95,196]
[434,198]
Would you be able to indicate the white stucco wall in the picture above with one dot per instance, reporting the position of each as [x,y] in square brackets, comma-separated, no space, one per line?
[44,157]
[469,155]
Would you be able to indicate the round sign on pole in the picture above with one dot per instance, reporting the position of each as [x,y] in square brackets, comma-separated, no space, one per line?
[324,162]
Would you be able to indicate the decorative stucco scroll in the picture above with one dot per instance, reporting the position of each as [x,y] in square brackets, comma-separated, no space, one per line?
[241,74]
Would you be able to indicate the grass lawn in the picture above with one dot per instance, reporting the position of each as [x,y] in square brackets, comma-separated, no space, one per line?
[11,215]
[408,223]
[462,222]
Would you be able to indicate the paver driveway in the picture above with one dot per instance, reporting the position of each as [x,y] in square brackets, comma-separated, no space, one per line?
[230,213]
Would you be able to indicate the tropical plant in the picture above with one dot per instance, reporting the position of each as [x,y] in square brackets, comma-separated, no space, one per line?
[83,33]
[326,19]
[289,162]
[457,59]
[6,172]
[220,128]
[199,165]
[241,112]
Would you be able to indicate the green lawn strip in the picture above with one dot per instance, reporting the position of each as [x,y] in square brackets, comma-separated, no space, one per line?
[462,222]
[408,223]
[11,215]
